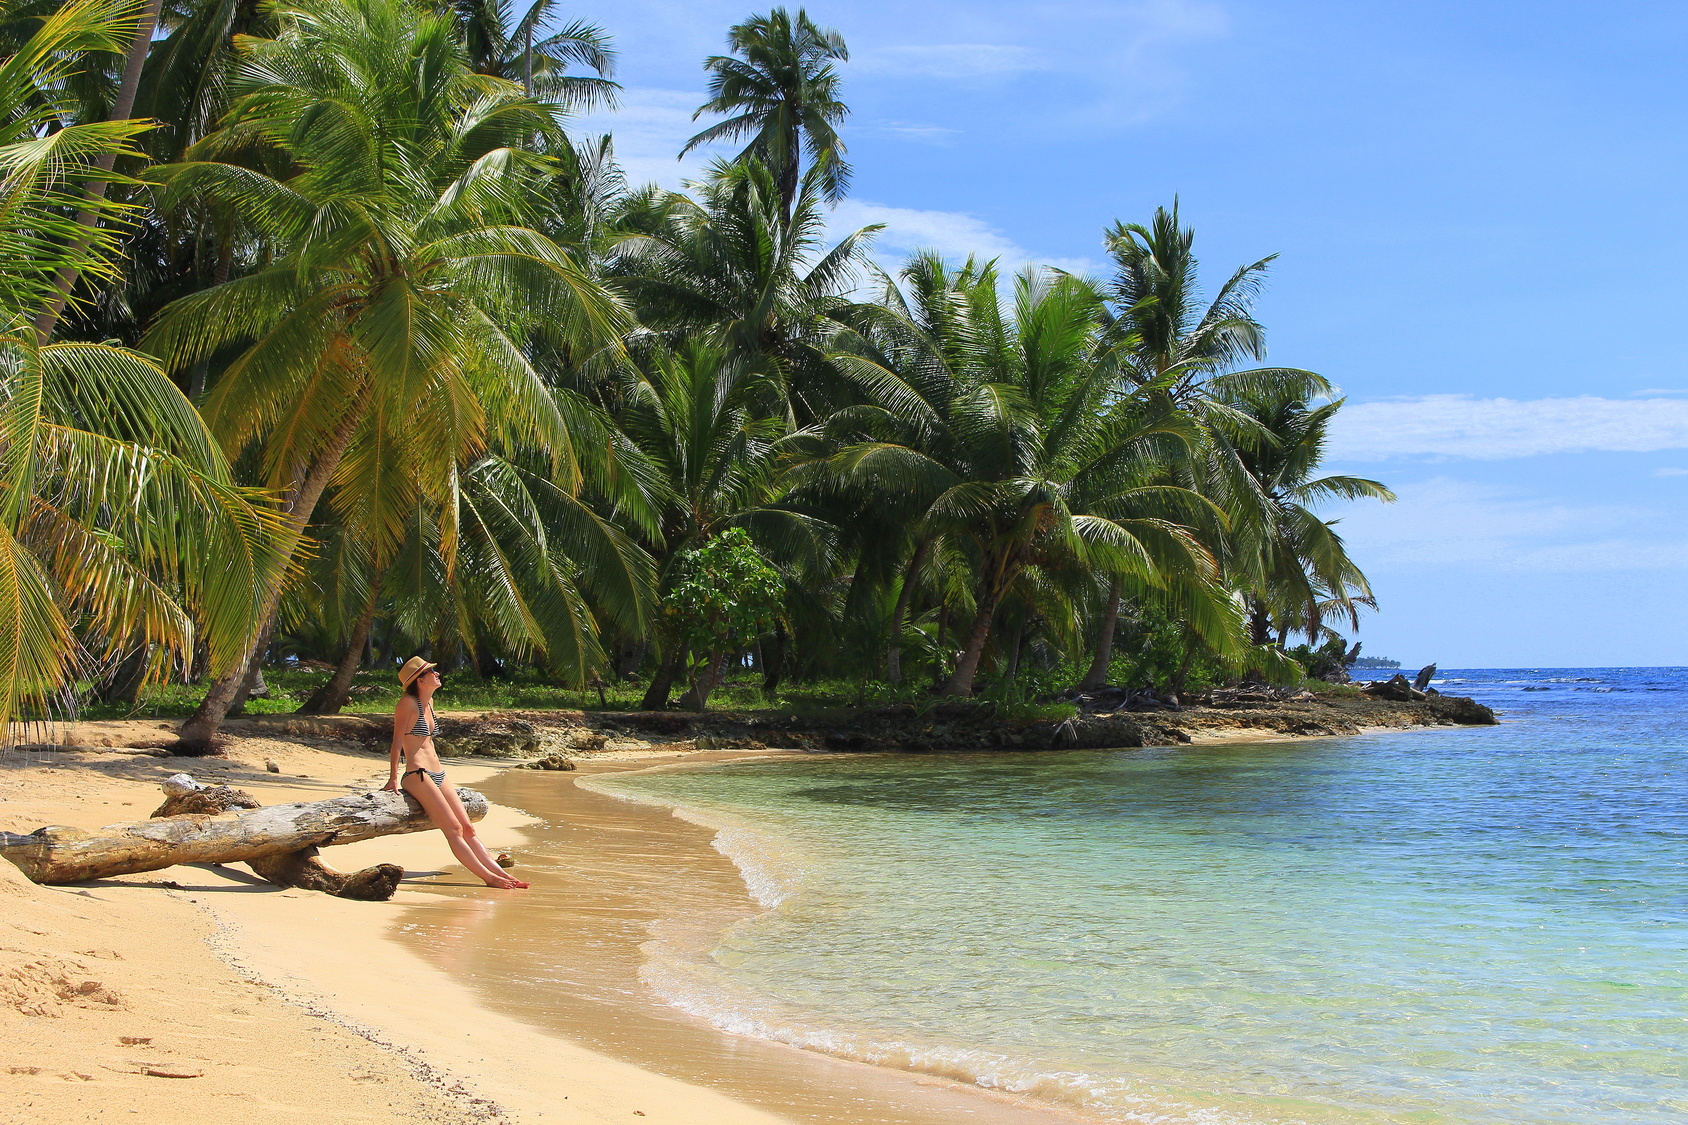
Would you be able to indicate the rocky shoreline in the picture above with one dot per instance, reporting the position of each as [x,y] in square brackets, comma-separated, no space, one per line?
[945,727]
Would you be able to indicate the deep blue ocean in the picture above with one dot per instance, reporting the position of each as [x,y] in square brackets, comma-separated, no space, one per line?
[1452,925]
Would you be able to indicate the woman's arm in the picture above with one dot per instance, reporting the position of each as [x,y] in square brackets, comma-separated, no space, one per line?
[398,743]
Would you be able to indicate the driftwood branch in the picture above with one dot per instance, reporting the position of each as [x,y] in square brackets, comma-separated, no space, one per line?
[279,842]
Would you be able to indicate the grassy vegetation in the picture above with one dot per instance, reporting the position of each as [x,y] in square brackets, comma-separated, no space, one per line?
[376,692]
[1333,691]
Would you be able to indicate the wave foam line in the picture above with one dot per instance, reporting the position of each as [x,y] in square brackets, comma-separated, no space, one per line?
[1113,1099]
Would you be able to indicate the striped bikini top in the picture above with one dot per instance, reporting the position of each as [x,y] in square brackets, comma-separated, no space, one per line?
[423,728]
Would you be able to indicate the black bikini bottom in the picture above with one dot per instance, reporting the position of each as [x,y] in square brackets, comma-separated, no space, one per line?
[437,775]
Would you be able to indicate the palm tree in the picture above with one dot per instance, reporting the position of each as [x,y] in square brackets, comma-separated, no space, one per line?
[90,214]
[713,457]
[727,264]
[1168,336]
[401,277]
[46,156]
[1298,568]
[782,91]
[121,533]
[1156,295]
[1011,431]
[509,50]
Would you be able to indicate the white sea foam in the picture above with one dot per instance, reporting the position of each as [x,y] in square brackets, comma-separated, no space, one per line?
[696,988]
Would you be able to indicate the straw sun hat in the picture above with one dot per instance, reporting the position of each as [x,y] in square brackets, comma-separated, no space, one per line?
[413,667]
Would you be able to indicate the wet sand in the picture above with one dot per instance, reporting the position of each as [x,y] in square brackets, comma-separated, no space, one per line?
[608,877]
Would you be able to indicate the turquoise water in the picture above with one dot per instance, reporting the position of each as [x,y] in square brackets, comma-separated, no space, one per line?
[1453,925]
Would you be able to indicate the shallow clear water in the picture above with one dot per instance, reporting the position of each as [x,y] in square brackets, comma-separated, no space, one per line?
[1451,925]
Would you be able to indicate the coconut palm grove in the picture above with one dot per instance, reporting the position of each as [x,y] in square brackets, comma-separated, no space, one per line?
[329,339]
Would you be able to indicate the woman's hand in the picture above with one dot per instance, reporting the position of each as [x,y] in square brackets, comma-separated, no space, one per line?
[391,786]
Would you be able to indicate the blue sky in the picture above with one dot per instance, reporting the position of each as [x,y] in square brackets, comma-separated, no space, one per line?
[1479,209]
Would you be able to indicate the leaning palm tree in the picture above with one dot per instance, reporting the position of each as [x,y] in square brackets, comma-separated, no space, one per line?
[121,530]
[93,210]
[47,156]
[1168,334]
[402,276]
[782,92]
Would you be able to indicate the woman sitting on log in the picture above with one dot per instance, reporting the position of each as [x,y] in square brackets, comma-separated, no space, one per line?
[414,727]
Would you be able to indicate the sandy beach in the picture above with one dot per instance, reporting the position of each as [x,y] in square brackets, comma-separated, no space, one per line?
[199,992]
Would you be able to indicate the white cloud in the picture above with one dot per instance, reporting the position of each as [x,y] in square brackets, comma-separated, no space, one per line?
[1498,428]
[1446,525]
[1670,472]
[953,60]
[650,128]
[951,233]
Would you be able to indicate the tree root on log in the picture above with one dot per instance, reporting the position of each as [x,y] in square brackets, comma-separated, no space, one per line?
[304,870]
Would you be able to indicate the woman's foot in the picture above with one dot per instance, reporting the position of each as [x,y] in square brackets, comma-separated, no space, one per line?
[507,884]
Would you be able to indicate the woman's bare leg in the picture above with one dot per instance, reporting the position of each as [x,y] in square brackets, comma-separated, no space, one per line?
[470,836]
[439,811]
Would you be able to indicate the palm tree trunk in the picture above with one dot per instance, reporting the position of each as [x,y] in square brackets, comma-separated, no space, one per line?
[1183,673]
[124,684]
[225,266]
[1259,634]
[201,728]
[330,697]
[1015,645]
[894,654]
[773,659]
[656,696]
[789,178]
[1098,674]
[527,61]
[961,683]
[121,107]
[254,678]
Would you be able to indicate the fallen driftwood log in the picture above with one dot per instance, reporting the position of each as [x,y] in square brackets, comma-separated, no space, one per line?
[278,842]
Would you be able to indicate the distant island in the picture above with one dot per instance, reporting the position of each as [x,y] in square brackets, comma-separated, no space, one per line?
[1375,662]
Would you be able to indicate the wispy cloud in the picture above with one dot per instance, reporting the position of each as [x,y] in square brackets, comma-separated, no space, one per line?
[953,60]
[913,131]
[1445,525]
[1491,429]
[951,233]
[650,128]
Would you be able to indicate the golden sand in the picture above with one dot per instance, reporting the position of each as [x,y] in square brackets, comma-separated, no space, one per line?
[201,994]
